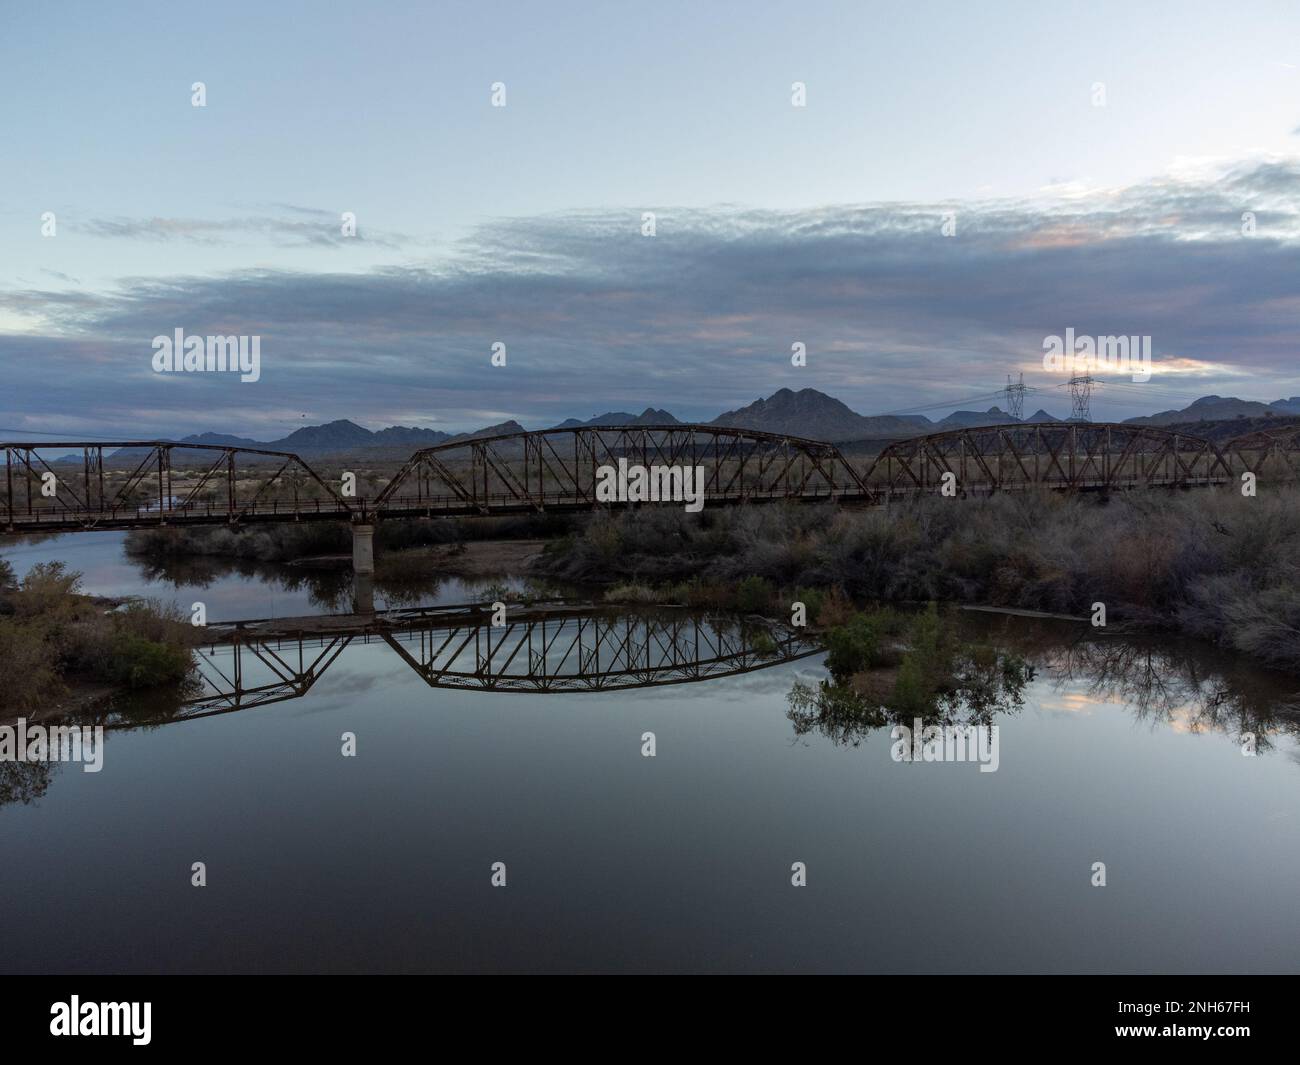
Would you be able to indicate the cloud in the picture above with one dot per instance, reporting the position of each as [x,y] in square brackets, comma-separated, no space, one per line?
[58,275]
[700,318]
[316,229]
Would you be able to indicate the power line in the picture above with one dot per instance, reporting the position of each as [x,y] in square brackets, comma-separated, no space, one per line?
[947,403]
[75,434]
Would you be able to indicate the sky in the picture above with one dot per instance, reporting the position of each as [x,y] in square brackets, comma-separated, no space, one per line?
[1095,162]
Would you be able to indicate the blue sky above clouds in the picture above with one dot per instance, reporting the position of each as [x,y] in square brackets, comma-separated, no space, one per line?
[522,224]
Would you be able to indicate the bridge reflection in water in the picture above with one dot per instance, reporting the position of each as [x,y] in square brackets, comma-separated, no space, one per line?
[544,648]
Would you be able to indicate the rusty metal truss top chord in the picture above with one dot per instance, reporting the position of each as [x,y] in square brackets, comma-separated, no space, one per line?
[557,468]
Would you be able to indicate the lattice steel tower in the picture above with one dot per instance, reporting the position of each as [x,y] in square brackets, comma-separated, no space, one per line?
[1080,398]
[1016,398]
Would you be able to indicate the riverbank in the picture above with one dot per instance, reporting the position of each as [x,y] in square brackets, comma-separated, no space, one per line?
[472,558]
[1207,564]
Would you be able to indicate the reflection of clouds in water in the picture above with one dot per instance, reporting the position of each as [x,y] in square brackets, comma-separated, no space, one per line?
[1176,687]
[339,690]
[1053,696]
[1189,720]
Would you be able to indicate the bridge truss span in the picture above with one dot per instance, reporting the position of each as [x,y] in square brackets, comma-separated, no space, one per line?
[138,484]
[1062,456]
[1272,454]
[559,469]
[135,484]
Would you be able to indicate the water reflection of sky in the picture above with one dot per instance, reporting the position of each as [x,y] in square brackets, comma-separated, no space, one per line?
[680,862]
[107,570]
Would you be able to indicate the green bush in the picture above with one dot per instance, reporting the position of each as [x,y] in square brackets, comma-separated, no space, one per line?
[753,595]
[913,694]
[141,663]
[853,647]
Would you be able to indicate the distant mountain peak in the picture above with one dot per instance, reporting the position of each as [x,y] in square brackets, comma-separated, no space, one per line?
[813,414]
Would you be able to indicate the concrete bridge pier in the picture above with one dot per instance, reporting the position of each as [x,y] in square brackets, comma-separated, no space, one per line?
[363,547]
[363,568]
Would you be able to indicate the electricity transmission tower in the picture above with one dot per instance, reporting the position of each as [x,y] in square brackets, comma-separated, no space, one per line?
[1080,398]
[1016,398]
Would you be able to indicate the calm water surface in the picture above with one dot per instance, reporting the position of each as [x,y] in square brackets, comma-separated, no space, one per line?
[1121,753]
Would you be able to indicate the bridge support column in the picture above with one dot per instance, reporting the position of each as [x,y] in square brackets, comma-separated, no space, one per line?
[363,549]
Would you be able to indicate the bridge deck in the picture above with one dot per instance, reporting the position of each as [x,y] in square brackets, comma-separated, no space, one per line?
[82,519]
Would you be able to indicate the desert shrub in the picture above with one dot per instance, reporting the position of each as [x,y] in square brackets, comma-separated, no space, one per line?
[634,593]
[48,591]
[494,593]
[56,634]
[702,595]
[29,667]
[835,608]
[105,646]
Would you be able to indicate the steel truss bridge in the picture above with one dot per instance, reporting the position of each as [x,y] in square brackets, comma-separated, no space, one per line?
[542,649]
[71,486]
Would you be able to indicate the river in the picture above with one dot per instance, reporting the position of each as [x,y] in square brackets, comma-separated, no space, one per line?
[1123,752]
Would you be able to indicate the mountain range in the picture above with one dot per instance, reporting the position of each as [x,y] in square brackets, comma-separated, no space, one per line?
[807,413]
[1222,408]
